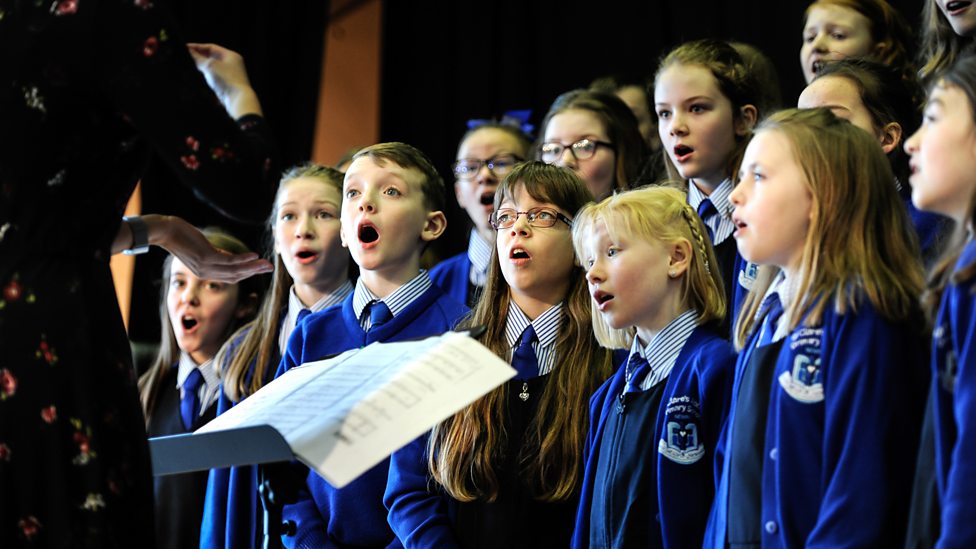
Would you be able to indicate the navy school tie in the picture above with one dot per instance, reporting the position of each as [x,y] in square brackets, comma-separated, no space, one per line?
[190,401]
[637,370]
[773,309]
[301,316]
[523,357]
[705,211]
[379,314]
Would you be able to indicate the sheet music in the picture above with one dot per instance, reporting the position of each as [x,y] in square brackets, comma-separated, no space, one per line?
[344,415]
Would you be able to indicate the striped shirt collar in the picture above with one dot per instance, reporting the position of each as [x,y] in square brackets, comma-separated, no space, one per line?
[546,328]
[662,351]
[295,305]
[397,301]
[209,390]
[721,224]
[479,253]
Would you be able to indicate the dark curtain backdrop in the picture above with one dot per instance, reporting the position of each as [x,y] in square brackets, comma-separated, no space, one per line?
[446,61]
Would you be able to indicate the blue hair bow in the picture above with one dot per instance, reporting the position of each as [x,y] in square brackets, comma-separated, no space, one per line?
[517,119]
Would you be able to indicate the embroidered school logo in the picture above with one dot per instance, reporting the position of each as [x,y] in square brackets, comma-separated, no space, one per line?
[681,442]
[747,276]
[804,381]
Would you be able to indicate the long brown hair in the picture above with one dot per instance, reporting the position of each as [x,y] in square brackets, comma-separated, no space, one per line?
[962,76]
[260,336]
[940,46]
[860,243]
[169,351]
[464,449]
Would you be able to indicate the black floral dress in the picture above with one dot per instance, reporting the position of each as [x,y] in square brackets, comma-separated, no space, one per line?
[89,91]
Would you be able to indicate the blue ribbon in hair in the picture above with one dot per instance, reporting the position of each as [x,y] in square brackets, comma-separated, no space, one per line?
[517,119]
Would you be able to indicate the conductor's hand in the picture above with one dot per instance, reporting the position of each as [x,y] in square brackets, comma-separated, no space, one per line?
[226,75]
[189,244]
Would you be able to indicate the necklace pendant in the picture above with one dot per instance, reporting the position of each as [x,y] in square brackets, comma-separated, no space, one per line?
[524,395]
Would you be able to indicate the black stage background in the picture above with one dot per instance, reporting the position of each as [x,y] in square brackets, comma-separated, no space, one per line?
[449,61]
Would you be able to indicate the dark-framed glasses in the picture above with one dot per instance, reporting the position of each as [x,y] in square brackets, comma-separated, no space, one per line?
[498,165]
[582,150]
[505,218]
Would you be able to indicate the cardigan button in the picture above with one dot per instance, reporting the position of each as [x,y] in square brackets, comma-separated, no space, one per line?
[771,527]
[773,454]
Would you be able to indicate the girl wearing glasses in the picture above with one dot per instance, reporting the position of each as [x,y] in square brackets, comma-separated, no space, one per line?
[655,423]
[487,154]
[506,471]
[594,134]
[706,100]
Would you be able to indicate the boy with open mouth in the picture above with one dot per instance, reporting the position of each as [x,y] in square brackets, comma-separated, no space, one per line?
[393,201]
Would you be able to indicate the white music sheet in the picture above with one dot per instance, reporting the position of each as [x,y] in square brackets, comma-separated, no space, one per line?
[344,415]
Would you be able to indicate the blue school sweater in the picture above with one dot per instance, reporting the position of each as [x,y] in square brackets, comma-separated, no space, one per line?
[453,275]
[841,435]
[954,393]
[697,391]
[355,515]
[232,512]
[932,229]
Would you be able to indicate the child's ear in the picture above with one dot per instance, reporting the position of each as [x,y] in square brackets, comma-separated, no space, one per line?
[890,136]
[434,226]
[680,251]
[247,306]
[748,116]
[342,233]
[881,49]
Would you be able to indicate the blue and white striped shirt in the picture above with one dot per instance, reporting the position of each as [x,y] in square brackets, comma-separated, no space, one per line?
[662,351]
[546,328]
[721,224]
[295,305]
[479,253]
[397,301]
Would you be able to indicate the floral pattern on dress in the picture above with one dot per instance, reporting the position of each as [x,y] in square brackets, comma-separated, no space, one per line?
[69,407]
[29,527]
[82,440]
[8,384]
[46,352]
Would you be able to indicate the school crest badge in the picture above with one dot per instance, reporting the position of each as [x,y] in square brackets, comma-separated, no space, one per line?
[747,275]
[681,442]
[804,381]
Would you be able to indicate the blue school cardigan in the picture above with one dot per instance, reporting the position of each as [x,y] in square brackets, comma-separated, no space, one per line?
[453,275]
[954,391]
[841,436]
[698,385]
[231,509]
[355,515]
